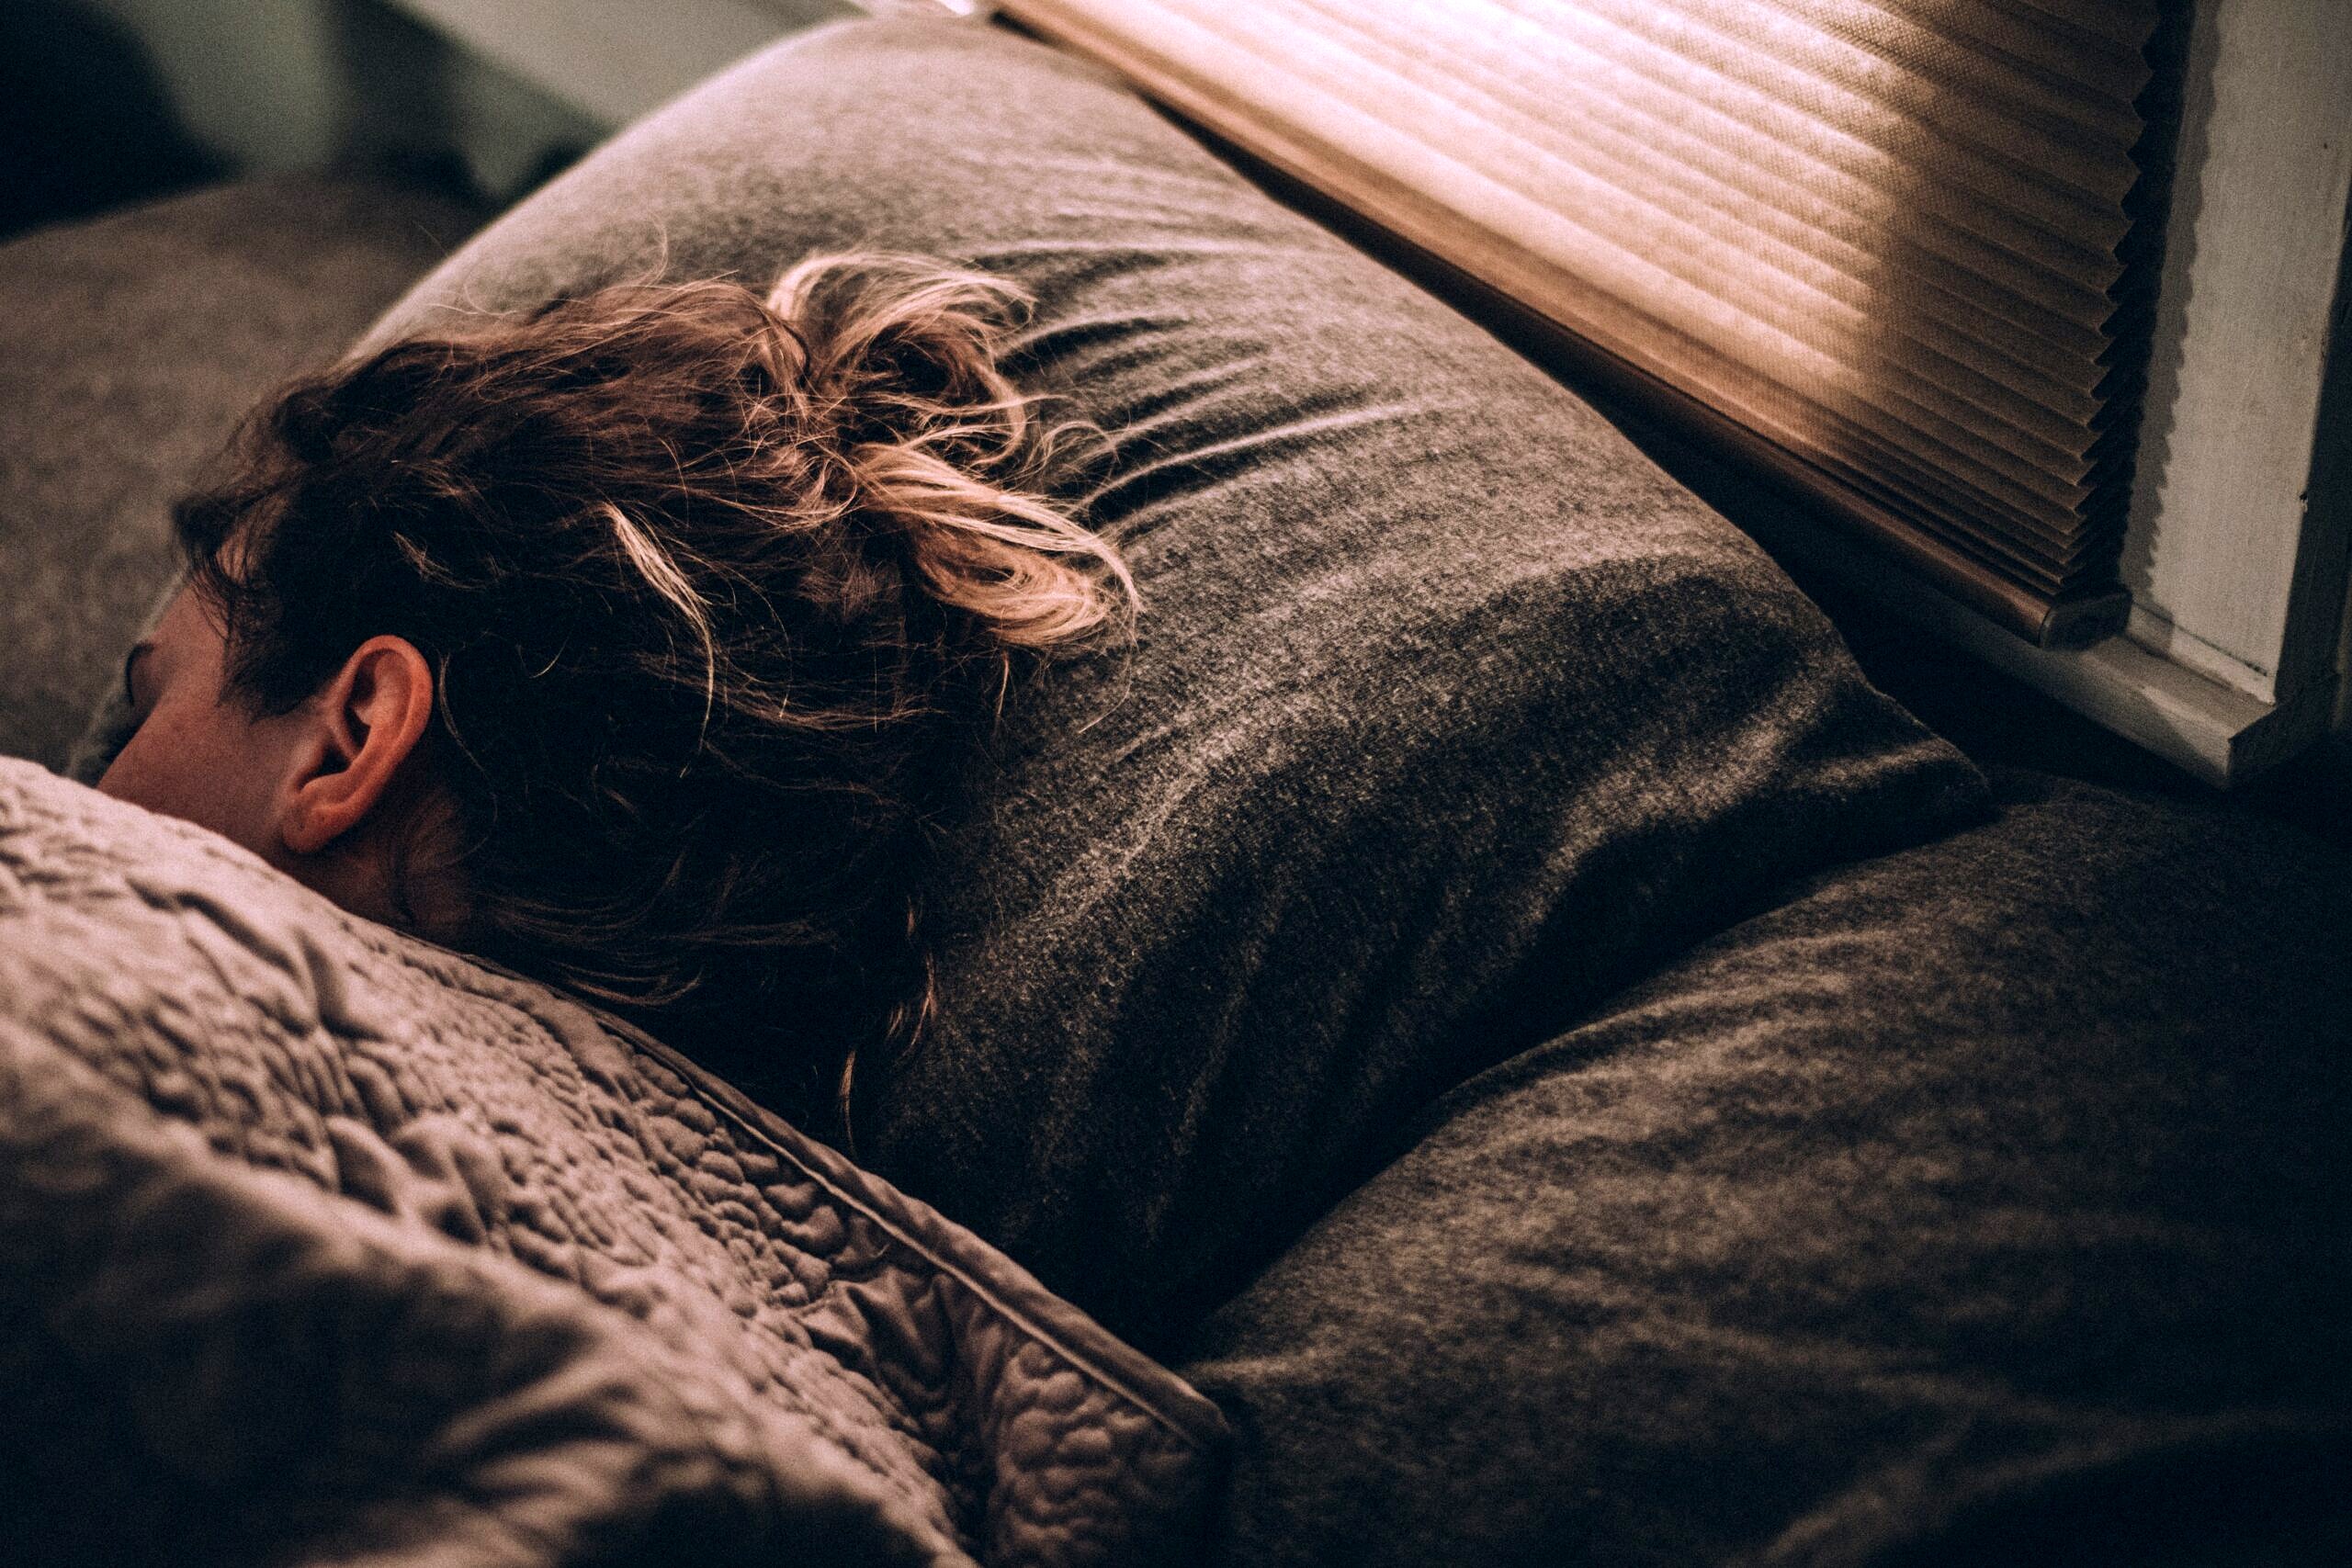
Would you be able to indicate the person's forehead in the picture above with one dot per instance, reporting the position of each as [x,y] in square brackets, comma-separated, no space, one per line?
[185,621]
[186,639]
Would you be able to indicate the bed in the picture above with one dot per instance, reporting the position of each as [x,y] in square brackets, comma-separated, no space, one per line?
[1481,1038]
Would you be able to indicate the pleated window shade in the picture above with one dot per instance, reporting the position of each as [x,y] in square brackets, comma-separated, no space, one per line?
[1885,248]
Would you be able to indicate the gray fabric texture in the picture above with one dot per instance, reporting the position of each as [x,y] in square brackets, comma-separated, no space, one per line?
[320,1245]
[1450,712]
[129,345]
[1985,1204]
[1984,1197]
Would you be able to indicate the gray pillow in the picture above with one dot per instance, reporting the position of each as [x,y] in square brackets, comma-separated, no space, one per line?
[1450,712]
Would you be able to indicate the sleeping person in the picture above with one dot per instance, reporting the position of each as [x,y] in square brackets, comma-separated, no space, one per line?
[636,643]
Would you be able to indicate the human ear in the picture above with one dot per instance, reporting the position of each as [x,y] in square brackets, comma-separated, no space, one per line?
[361,727]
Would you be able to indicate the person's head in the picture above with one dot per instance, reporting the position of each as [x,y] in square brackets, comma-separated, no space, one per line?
[636,643]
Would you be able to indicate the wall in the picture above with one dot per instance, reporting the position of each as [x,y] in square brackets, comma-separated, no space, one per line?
[616,58]
[274,85]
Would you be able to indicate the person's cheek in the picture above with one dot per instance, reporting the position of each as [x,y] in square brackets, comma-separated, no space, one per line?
[183,763]
[151,770]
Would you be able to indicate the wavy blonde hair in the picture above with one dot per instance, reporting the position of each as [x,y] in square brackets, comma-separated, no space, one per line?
[721,591]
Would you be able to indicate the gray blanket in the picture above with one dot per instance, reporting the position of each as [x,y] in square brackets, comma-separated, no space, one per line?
[321,1245]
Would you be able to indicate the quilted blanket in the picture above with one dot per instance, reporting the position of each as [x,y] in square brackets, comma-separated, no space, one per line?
[321,1245]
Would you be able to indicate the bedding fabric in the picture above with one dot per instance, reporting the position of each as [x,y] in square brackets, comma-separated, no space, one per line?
[1989,1203]
[319,1244]
[1979,1203]
[1450,712]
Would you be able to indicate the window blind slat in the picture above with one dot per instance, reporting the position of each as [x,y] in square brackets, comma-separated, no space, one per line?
[1792,314]
[1820,424]
[1794,120]
[2123,23]
[1825,198]
[1904,114]
[1948,328]
[1959,59]
[1892,240]
[2014,31]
